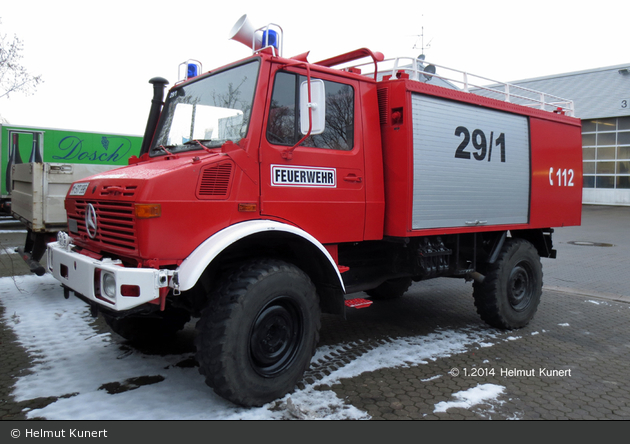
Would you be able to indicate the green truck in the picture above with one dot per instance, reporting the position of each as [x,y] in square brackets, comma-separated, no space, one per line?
[37,166]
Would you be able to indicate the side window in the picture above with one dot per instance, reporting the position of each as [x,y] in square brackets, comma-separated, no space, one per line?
[284,118]
[282,124]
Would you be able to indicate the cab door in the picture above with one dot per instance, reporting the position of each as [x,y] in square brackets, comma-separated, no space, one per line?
[320,186]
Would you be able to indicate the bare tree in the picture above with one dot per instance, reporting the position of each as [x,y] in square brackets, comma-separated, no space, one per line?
[13,76]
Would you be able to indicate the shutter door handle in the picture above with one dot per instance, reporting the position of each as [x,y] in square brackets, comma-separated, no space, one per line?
[476,222]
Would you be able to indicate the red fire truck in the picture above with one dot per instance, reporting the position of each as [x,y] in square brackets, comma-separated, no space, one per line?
[274,189]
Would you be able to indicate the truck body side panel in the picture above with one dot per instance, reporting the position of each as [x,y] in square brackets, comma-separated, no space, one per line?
[456,162]
[56,145]
[556,174]
[39,190]
[471,165]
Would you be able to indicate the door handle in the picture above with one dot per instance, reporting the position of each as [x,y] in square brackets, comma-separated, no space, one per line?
[353,178]
[476,222]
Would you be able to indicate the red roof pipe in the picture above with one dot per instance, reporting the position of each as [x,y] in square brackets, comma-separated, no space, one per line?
[354,55]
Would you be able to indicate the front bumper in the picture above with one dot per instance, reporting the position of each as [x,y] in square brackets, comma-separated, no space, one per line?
[92,278]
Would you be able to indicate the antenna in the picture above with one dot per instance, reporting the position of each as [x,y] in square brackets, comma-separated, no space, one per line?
[421,38]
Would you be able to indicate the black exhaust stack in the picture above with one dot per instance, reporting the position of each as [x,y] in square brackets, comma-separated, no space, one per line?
[159,84]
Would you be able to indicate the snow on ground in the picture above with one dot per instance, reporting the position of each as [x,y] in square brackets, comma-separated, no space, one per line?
[76,364]
[482,393]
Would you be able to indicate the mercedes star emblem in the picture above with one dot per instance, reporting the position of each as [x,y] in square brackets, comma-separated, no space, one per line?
[90,221]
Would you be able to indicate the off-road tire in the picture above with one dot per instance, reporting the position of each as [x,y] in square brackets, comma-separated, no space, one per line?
[259,332]
[391,289]
[146,329]
[510,293]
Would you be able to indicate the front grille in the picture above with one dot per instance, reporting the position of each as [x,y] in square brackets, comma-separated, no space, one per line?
[116,225]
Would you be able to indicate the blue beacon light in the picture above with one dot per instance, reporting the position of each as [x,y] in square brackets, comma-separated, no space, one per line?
[270,38]
[189,69]
[193,70]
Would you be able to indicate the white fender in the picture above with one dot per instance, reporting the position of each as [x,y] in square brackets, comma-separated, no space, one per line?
[194,265]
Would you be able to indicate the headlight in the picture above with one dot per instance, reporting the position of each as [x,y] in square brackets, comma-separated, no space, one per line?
[109,285]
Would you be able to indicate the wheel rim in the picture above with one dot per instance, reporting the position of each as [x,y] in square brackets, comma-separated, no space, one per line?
[520,286]
[275,337]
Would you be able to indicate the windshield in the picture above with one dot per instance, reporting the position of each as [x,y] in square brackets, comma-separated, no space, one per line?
[212,110]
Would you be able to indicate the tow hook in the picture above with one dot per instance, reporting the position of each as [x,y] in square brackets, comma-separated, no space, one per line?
[175,284]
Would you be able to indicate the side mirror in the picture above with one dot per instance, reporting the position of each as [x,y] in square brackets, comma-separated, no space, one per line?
[317,105]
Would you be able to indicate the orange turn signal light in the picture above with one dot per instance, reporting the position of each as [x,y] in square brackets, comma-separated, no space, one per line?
[147,211]
[247,207]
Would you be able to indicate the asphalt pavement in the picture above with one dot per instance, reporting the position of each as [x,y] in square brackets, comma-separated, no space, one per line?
[570,362]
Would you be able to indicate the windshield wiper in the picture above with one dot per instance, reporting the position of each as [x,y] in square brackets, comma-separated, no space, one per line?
[162,147]
[198,142]
[194,141]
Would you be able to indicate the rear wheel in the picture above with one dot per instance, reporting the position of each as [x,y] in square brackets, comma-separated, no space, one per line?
[259,333]
[509,296]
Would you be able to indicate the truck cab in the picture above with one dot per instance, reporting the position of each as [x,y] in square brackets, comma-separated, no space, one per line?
[229,149]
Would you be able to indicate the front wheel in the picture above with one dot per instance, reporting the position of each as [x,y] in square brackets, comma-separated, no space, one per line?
[259,333]
[509,296]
